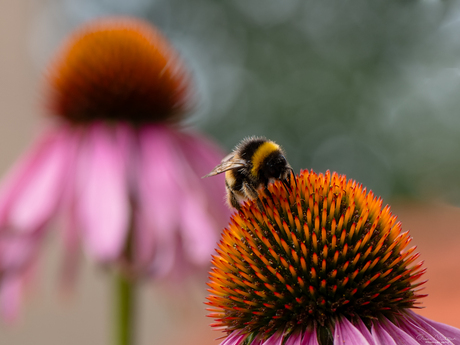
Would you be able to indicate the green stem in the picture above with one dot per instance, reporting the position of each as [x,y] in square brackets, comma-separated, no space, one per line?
[125,291]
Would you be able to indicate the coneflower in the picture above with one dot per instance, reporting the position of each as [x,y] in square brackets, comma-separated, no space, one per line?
[322,262]
[115,164]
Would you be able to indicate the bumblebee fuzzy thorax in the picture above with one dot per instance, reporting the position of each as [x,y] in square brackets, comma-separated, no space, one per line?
[261,156]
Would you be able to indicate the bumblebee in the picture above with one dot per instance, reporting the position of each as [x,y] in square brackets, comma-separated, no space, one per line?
[253,164]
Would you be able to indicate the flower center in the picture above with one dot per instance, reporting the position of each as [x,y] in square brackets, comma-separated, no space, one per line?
[118,69]
[323,249]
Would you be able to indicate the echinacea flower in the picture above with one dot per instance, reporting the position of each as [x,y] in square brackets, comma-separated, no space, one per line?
[115,167]
[319,262]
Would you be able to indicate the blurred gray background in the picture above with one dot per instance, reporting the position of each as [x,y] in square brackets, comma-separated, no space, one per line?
[369,89]
[366,88]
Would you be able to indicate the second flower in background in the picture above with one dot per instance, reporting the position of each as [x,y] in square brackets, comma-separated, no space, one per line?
[115,165]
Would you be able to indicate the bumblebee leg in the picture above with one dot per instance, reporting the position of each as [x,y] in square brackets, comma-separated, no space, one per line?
[260,205]
[267,193]
[252,193]
[232,200]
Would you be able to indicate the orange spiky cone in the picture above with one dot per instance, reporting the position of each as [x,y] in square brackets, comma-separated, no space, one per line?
[320,250]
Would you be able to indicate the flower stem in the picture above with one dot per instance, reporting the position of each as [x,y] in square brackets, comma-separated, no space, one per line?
[125,291]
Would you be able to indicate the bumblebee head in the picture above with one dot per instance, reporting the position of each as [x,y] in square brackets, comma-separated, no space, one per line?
[276,167]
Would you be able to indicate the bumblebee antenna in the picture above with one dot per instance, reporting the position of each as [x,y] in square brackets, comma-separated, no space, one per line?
[288,179]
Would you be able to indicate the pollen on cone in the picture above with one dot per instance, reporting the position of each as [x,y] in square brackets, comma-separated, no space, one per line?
[119,69]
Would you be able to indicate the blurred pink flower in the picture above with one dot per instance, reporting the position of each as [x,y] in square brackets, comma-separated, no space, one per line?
[124,180]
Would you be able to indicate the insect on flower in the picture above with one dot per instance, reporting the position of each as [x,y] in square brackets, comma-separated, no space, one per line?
[253,164]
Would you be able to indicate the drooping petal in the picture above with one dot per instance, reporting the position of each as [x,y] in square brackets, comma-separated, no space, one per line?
[294,339]
[258,340]
[197,229]
[398,335]
[70,234]
[443,333]
[30,194]
[10,296]
[67,220]
[177,205]
[235,338]
[202,156]
[365,331]
[346,333]
[13,285]
[418,333]
[17,251]
[159,200]
[197,222]
[103,205]
[275,339]
[310,337]
[381,337]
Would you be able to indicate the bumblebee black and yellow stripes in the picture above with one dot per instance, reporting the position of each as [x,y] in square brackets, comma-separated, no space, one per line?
[252,165]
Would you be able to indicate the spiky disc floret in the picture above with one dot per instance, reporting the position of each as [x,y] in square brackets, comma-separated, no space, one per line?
[323,249]
[119,69]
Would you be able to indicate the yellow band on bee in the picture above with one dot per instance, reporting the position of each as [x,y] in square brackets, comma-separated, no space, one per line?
[261,153]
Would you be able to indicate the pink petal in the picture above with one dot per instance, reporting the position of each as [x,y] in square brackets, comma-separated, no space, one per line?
[235,338]
[202,156]
[198,227]
[294,339]
[310,337]
[70,230]
[10,296]
[148,248]
[275,339]
[346,333]
[174,201]
[398,335]
[159,200]
[17,251]
[443,333]
[381,337]
[417,333]
[30,194]
[365,332]
[12,288]
[103,206]
[257,340]
[198,231]
[71,243]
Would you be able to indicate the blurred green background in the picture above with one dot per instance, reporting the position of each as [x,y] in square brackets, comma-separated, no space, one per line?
[366,88]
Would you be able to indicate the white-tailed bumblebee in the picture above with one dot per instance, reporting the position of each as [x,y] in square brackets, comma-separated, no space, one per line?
[253,164]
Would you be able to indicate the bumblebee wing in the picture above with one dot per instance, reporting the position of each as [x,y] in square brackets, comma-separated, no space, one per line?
[228,163]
